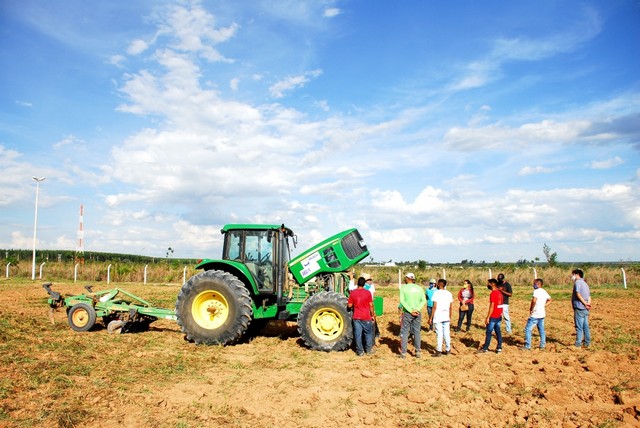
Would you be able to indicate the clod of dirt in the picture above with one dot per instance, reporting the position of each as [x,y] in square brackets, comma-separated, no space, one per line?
[369,398]
[416,397]
[367,374]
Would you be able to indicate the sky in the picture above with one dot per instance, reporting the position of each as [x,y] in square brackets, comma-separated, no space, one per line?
[443,131]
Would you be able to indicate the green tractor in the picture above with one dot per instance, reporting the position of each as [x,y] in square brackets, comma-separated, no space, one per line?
[256,280]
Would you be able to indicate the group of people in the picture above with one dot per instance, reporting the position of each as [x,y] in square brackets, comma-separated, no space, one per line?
[440,305]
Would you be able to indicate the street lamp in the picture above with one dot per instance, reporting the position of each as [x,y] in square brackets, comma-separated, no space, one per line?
[35,227]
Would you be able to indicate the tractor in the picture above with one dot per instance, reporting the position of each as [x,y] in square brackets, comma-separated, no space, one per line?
[256,280]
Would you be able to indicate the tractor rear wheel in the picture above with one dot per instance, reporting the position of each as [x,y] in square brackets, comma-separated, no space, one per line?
[324,322]
[82,317]
[213,308]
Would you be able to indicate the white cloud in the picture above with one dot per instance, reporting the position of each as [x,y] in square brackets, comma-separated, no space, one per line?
[503,137]
[606,163]
[233,84]
[292,82]
[505,50]
[137,46]
[24,104]
[331,12]
[529,170]
[68,141]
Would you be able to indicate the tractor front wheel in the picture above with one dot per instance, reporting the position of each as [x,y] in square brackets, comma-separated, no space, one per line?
[82,317]
[324,323]
[214,308]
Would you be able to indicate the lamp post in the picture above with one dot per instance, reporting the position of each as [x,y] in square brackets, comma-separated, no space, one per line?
[35,227]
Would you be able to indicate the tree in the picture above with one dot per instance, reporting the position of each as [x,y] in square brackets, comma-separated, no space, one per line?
[552,258]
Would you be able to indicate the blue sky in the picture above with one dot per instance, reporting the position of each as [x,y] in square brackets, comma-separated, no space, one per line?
[444,131]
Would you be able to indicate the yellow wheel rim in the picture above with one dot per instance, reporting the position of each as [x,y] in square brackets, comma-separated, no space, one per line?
[327,323]
[80,317]
[210,309]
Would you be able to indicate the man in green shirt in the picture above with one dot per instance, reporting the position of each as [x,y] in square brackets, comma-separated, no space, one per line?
[412,300]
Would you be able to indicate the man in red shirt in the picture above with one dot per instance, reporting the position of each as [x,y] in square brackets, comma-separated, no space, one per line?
[363,316]
[494,316]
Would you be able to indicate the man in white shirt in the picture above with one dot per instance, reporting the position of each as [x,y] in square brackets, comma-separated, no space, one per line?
[441,317]
[537,312]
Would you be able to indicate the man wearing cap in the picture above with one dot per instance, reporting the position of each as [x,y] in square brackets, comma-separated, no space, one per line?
[368,285]
[412,300]
[432,289]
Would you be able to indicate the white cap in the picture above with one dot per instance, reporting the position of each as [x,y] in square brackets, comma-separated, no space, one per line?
[410,276]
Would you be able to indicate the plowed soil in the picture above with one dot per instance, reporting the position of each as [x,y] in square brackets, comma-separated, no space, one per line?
[53,376]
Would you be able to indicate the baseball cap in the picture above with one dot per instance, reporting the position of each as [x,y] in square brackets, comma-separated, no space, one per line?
[432,281]
[410,275]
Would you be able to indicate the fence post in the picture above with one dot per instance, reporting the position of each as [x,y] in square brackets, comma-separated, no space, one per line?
[399,277]
[624,278]
[75,272]
[43,263]
[444,273]
[109,274]
[490,274]
[8,269]
[145,274]
[535,274]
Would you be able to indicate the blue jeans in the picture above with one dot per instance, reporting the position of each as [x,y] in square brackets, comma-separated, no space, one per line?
[361,327]
[532,322]
[429,310]
[410,324]
[443,331]
[581,320]
[494,325]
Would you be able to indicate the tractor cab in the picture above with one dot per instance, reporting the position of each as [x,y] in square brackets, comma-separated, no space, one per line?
[263,249]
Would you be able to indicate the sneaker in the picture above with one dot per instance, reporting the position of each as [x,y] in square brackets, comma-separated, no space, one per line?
[437,354]
[403,356]
[418,355]
[371,351]
[360,354]
[447,352]
[524,348]
[482,351]
[498,350]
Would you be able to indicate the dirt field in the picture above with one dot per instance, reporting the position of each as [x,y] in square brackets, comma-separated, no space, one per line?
[52,376]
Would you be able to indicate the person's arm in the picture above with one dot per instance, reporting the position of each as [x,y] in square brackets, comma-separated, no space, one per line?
[587,304]
[534,299]
[505,292]
[350,302]
[491,305]
[451,310]
[460,299]
[433,311]
[372,310]
[547,302]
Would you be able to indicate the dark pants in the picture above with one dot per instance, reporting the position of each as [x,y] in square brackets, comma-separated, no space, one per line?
[462,314]
[361,328]
[429,310]
[494,325]
[410,324]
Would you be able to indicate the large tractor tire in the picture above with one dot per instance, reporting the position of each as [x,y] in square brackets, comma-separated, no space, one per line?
[213,308]
[324,322]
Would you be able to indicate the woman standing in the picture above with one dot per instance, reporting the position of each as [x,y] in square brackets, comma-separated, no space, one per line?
[465,297]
